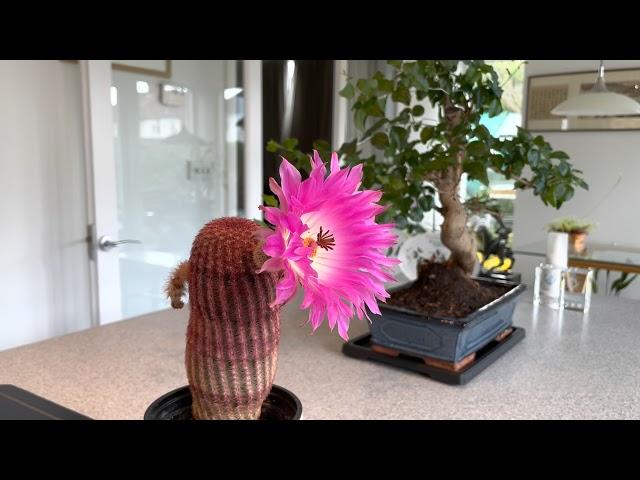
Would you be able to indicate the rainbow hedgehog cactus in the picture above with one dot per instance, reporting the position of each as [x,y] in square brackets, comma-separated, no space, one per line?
[324,238]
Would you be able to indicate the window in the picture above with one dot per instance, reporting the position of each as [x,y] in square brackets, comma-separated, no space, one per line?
[511,75]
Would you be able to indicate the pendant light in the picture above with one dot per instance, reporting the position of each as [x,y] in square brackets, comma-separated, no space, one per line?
[599,102]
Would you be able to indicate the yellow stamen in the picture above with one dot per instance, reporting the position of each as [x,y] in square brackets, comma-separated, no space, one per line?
[311,242]
[324,240]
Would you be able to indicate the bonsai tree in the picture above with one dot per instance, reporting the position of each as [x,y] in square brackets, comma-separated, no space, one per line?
[418,159]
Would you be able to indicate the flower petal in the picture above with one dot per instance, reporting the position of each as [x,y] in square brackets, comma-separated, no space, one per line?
[346,279]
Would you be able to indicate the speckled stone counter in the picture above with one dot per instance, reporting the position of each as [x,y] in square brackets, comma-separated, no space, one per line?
[570,366]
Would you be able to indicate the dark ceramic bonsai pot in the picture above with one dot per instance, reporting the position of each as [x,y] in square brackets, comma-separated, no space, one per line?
[281,404]
[441,338]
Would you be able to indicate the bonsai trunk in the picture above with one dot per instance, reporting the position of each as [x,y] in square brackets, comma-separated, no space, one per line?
[454,232]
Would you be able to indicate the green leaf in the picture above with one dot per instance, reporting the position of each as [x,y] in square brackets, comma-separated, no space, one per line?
[539,141]
[560,191]
[375,110]
[349,148]
[581,183]
[397,183]
[523,135]
[425,202]
[533,157]
[539,185]
[477,148]
[380,140]
[440,163]
[273,146]
[401,94]
[270,200]
[482,133]
[321,145]
[426,134]
[384,84]
[559,155]
[347,91]
[548,198]
[417,111]
[564,168]
[290,143]
[495,107]
[398,135]
[477,170]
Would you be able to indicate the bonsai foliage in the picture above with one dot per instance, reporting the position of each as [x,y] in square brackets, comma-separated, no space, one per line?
[417,159]
[571,225]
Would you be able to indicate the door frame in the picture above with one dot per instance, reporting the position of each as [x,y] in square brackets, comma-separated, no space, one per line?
[100,175]
[340,104]
[102,200]
[253,144]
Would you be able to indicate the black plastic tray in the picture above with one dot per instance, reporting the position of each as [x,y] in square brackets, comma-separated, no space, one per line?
[19,404]
[281,404]
[360,347]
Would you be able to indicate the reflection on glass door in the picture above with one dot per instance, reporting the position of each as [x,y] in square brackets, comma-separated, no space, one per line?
[178,144]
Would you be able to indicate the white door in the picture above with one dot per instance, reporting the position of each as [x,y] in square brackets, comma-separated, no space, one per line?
[166,153]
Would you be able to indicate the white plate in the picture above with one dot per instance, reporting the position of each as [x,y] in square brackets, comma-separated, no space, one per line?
[419,246]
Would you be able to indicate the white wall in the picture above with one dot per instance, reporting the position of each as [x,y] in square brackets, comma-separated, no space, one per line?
[43,257]
[605,157]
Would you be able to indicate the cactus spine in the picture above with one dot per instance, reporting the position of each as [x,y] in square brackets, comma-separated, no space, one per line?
[233,333]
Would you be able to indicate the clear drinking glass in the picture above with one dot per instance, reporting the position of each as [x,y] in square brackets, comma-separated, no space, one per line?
[549,286]
[577,288]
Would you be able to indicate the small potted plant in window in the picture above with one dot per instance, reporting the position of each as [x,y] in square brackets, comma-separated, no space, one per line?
[447,314]
[324,237]
[578,230]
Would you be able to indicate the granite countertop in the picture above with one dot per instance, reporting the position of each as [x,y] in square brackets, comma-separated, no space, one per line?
[569,366]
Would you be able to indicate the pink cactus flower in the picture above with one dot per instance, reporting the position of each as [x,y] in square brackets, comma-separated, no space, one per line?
[327,240]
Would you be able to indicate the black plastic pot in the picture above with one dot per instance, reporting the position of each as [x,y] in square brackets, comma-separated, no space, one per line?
[281,404]
[447,339]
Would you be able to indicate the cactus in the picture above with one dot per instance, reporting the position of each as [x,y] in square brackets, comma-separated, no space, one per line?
[233,332]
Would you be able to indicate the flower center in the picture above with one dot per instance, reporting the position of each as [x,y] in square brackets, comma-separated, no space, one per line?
[323,240]
[326,240]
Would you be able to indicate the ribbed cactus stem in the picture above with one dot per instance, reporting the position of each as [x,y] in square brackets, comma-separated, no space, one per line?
[233,333]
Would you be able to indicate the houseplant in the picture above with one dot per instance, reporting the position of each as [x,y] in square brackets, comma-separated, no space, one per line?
[577,228]
[239,274]
[418,161]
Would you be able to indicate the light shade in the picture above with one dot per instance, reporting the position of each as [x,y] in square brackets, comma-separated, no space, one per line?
[598,104]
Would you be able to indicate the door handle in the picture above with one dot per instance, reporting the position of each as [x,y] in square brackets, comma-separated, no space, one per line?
[105,243]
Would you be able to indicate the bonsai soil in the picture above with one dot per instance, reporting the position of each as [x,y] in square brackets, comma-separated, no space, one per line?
[443,290]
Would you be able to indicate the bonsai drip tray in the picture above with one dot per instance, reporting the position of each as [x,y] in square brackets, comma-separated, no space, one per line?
[360,347]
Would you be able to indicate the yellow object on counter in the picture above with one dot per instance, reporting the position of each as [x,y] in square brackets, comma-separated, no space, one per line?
[493,262]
